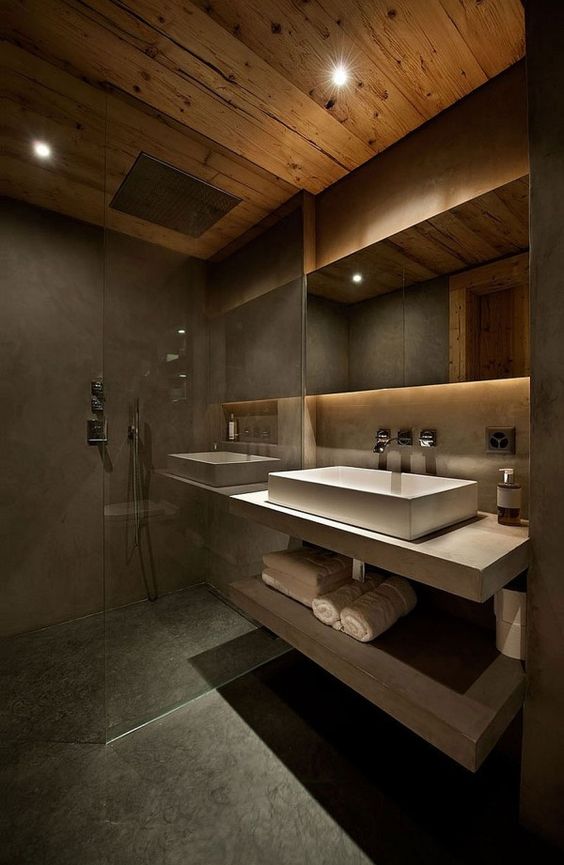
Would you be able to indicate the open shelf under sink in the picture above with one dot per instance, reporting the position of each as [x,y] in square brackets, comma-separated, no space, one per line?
[437,675]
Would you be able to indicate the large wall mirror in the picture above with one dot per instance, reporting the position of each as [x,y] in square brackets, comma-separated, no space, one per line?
[446,300]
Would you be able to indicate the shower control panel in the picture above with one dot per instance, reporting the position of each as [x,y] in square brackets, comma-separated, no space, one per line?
[97,428]
[96,431]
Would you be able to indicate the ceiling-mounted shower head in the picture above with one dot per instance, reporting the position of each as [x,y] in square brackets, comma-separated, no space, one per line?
[160,193]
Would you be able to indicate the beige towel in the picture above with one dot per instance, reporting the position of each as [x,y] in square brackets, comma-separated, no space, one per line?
[295,588]
[328,608]
[401,590]
[314,566]
[376,611]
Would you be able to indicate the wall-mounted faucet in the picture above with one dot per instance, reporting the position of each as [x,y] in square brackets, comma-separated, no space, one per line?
[404,438]
[384,438]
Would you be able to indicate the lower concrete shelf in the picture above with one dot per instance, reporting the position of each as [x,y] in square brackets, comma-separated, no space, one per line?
[437,675]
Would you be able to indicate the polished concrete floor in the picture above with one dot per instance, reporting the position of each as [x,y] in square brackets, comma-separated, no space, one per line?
[97,677]
[284,765]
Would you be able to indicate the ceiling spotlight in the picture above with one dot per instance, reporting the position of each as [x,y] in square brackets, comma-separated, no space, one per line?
[42,149]
[340,75]
[357,277]
[182,375]
[181,330]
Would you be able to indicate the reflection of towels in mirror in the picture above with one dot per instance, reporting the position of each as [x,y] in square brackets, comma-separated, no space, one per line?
[377,610]
[328,608]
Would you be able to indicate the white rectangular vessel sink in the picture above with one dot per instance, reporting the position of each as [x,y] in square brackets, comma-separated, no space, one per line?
[222,468]
[403,505]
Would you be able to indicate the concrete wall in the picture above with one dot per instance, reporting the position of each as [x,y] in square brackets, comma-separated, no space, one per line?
[51,502]
[272,259]
[256,349]
[476,145]
[543,744]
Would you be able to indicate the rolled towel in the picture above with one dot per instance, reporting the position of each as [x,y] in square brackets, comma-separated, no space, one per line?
[377,610]
[298,589]
[328,608]
[314,566]
[397,588]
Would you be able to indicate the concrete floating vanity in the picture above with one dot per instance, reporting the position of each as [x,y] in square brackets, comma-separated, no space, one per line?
[439,676]
[472,560]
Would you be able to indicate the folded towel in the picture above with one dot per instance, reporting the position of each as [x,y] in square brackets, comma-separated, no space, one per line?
[294,588]
[328,608]
[310,564]
[377,610]
[298,589]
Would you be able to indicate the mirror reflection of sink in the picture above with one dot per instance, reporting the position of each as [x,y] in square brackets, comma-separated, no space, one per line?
[222,468]
[402,505]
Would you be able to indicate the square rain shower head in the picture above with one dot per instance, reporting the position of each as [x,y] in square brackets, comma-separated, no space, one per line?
[160,193]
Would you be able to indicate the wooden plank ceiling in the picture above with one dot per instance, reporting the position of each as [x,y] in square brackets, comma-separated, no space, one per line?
[481,230]
[237,92]
[43,102]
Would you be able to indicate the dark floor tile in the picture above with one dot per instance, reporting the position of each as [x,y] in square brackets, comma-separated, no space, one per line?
[396,796]
[64,683]
[52,684]
[201,780]
[284,765]
[53,810]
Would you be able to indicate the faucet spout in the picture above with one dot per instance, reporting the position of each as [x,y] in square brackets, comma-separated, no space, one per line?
[381,445]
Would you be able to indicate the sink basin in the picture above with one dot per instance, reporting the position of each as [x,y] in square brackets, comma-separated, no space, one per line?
[403,505]
[222,468]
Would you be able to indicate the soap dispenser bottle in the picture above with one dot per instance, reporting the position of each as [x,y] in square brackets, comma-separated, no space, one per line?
[232,428]
[508,499]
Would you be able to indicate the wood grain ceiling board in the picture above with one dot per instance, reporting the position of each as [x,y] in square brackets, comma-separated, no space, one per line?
[42,101]
[214,85]
[253,74]
[302,41]
[481,230]
[409,59]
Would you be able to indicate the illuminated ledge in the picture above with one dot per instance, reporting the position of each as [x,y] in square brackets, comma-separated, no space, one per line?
[437,675]
[472,560]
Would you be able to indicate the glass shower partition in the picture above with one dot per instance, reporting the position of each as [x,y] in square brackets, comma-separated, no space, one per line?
[169,359]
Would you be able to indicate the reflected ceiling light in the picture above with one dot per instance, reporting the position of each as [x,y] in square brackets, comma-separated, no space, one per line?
[181,330]
[339,75]
[357,277]
[42,149]
[182,375]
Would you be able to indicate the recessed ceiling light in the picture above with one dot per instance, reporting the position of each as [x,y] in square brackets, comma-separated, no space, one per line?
[340,75]
[357,277]
[42,149]
[181,330]
[182,375]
